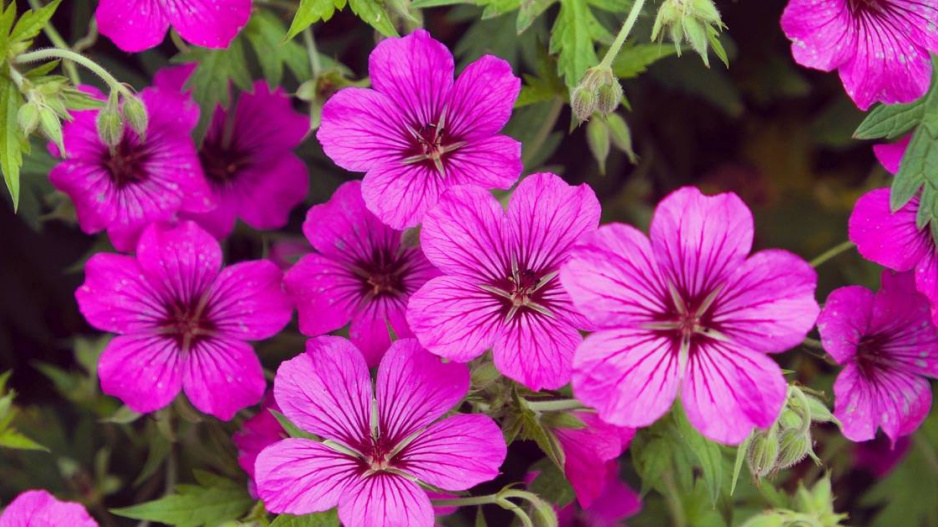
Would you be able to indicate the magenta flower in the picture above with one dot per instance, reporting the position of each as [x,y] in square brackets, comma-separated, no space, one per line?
[136,26]
[256,434]
[880,47]
[362,271]
[880,456]
[38,508]
[122,190]
[587,453]
[616,502]
[688,313]
[376,446]
[501,289]
[248,158]
[182,321]
[417,132]
[890,154]
[887,343]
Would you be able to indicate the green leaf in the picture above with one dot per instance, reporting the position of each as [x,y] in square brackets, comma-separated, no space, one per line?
[291,429]
[157,452]
[211,81]
[529,11]
[495,8]
[890,120]
[322,519]
[634,60]
[373,13]
[480,518]
[11,141]
[31,23]
[266,33]
[572,40]
[214,501]
[423,4]
[10,438]
[919,166]
[709,455]
[551,484]
[4,378]
[311,11]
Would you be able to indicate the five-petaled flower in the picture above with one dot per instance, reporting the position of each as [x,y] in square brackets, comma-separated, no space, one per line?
[688,313]
[38,508]
[880,47]
[182,321]
[886,343]
[501,289]
[417,132]
[138,25]
[361,271]
[375,447]
[124,188]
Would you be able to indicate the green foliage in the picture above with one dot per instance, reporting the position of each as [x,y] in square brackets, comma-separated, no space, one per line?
[12,143]
[212,502]
[808,508]
[322,519]
[9,436]
[550,484]
[635,59]
[522,422]
[265,32]
[371,12]
[211,82]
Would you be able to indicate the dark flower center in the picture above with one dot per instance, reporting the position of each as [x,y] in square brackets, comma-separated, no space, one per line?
[524,290]
[430,144]
[222,163]
[187,322]
[868,6]
[379,455]
[126,162]
[870,356]
[688,318]
[384,274]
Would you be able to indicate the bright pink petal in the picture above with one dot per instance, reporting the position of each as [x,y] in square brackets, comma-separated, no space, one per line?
[258,433]
[327,390]
[183,260]
[613,278]
[344,230]
[385,500]
[174,78]
[823,32]
[325,292]
[464,234]
[38,508]
[890,154]
[631,377]
[616,503]
[490,162]
[400,195]
[454,319]
[371,327]
[415,388]
[546,216]
[587,452]
[223,376]
[362,128]
[456,453]
[208,23]
[415,72]
[301,476]
[700,240]
[116,297]
[536,350]
[768,302]
[926,277]
[891,240]
[728,391]
[845,321]
[896,401]
[482,98]
[247,301]
[145,372]
[903,317]
[134,25]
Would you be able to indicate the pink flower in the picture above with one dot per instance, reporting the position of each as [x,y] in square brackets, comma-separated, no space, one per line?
[138,182]
[247,157]
[258,433]
[38,508]
[880,456]
[880,47]
[587,452]
[136,26]
[182,321]
[688,312]
[376,446]
[615,503]
[890,154]
[362,271]
[887,343]
[287,251]
[500,288]
[417,132]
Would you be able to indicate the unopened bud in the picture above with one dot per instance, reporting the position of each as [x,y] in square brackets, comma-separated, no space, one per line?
[597,137]
[794,445]
[111,123]
[307,91]
[136,114]
[583,103]
[598,90]
[51,127]
[28,117]
[763,453]
[696,21]
[609,97]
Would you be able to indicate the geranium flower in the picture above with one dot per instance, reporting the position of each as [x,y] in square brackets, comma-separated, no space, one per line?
[500,288]
[615,503]
[182,321]
[881,48]
[587,453]
[38,508]
[256,434]
[417,132]
[880,456]
[376,446]
[887,343]
[361,271]
[688,312]
[247,157]
[137,182]
[136,26]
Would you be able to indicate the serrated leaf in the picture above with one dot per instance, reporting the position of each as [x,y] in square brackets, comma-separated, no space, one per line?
[11,140]
[709,454]
[266,34]
[195,505]
[890,120]
[211,81]
[10,438]
[634,60]
[323,519]
[373,13]
[919,164]
[572,40]
[311,11]
[528,11]
[495,8]
[31,23]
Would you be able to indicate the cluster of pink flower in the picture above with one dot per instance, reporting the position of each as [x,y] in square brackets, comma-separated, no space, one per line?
[686,312]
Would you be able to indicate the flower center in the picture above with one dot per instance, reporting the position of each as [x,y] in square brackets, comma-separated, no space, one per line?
[221,163]
[688,319]
[868,6]
[384,274]
[187,322]
[524,291]
[870,356]
[126,163]
[430,144]
[379,455]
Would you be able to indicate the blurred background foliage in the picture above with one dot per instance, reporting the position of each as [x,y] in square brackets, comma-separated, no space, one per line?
[776,134]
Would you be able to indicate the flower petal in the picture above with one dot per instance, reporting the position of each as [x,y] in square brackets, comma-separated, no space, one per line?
[38,508]
[385,500]
[370,330]
[209,23]
[456,453]
[182,261]
[301,476]
[116,297]
[630,376]
[890,154]
[845,321]
[143,371]
[362,128]
[822,32]
[587,452]
[727,391]
[482,98]
[400,195]
[327,391]
[325,292]
[134,25]
[490,162]
[223,376]
[903,314]
[414,388]
[345,230]
[247,301]
[891,240]
[894,400]
[536,350]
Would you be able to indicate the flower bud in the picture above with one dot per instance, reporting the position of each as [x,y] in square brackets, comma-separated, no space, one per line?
[136,114]
[51,127]
[583,103]
[763,453]
[597,137]
[28,117]
[598,90]
[794,445]
[696,21]
[110,122]
[609,97]
[307,91]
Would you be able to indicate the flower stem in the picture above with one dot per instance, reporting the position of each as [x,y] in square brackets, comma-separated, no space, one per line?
[57,40]
[467,502]
[613,50]
[310,43]
[831,253]
[555,406]
[78,58]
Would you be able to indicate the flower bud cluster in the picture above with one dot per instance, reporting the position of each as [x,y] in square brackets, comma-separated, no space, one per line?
[598,91]
[695,21]
[113,118]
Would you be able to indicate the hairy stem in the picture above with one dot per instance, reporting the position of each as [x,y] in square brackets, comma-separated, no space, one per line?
[613,50]
[58,41]
[832,253]
[312,51]
[555,406]
[78,58]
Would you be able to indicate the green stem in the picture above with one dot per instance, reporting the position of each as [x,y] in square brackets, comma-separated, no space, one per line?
[813,343]
[467,502]
[555,406]
[78,58]
[311,50]
[613,50]
[832,252]
[57,40]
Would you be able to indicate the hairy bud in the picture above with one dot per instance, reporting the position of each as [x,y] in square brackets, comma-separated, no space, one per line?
[763,452]
[136,114]
[598,91]
[110,122]
[794,445]
[28,117]
[697,22]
